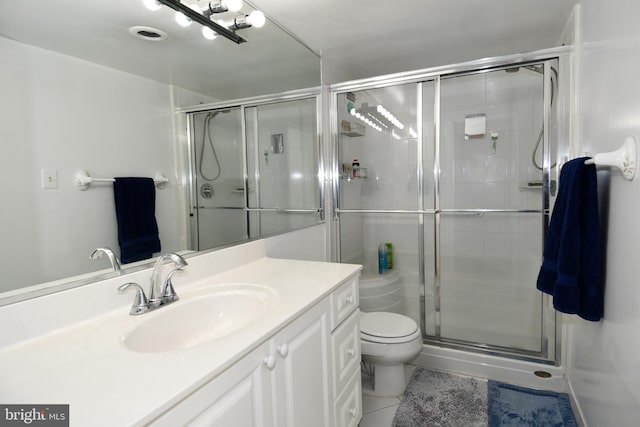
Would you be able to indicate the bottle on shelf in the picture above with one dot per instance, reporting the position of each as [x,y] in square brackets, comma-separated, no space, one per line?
[383,254]
[389,255]
[355,168]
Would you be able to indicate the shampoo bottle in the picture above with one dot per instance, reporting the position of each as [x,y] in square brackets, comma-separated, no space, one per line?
[383,254]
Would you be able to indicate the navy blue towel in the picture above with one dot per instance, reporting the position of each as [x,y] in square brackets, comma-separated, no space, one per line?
[571,269]
[135,200]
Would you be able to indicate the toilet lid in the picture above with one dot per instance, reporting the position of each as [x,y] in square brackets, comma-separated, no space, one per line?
[387,325]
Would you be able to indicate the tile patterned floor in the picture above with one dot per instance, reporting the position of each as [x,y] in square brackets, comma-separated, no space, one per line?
[379,411]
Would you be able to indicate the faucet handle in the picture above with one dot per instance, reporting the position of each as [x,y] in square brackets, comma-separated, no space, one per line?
[169,294]
[140,302]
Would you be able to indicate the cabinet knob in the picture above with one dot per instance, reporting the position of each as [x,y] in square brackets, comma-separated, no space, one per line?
[350,299]
[283,350]
[353,411]
[351,352]
[270,361]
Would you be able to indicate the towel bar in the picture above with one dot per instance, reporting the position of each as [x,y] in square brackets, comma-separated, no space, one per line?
[83,180]
[624,158]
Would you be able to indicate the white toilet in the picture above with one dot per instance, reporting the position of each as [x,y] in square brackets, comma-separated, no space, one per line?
[388,341]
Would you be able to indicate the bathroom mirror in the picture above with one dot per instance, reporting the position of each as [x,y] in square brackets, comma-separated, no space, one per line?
[93,86]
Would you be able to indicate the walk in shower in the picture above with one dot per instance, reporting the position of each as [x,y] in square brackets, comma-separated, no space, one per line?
[252,169]
[459,175]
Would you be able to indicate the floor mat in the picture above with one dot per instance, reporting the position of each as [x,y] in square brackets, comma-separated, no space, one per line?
[510,405]
[438,399]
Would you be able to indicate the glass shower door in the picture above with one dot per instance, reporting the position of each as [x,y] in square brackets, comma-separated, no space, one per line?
[491,209]
[219,179]
[282,166]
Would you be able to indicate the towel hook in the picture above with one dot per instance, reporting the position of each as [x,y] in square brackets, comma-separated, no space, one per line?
[624,158]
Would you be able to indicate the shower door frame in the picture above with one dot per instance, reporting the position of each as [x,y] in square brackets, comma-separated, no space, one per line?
[185,120]
[561,55]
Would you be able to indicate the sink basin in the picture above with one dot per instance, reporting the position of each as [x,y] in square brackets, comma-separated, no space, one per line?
[195,319]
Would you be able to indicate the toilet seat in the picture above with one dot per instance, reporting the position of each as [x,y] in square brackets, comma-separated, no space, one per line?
[388,328]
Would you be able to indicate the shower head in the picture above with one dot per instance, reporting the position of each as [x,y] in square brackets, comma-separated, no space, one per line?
[536,68]
[212,114]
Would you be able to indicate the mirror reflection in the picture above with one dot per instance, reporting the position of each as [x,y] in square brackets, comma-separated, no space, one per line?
[282,190]
[83,92]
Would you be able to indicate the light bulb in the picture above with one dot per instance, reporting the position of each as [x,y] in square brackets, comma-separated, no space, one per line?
[208,33]
[380,109]
[182,19]
[352,111]
[232,5]
[257,19]
[152,4]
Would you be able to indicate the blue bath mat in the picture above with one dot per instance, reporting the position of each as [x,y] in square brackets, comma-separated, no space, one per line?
[510,405]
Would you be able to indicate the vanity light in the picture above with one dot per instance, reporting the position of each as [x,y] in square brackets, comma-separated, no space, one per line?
[390,117]
[152,4]
[208,33]
[182,20]
[365,119]
[254,19]
[222,6]
[185,14]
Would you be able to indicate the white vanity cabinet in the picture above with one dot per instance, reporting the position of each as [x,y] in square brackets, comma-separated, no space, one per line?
[345,354]
[307,374]
[301,375]
[240,396]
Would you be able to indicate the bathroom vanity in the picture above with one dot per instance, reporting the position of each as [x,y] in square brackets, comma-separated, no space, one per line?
[253,341]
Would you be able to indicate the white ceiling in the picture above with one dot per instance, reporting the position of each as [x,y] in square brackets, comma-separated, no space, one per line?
[366,38]
[98,31]
[358,38]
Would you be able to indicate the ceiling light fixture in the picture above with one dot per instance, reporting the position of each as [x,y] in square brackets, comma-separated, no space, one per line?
[254,19]
[187,14]
[208,33]
[222,6]
[152,4]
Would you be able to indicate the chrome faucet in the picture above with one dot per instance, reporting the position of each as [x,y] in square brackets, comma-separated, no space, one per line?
[158,296]
[97,254]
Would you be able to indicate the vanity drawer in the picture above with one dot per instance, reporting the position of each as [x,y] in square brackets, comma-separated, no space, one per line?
[345,342]
[343,301]
[348,406]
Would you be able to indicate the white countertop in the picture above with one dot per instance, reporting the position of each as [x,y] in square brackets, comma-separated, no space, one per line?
[107,384]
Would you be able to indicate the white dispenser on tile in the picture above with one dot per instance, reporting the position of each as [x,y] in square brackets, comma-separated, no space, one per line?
[475,126]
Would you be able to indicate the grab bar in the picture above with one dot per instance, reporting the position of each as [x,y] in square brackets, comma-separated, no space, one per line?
[478,212]
[284,210]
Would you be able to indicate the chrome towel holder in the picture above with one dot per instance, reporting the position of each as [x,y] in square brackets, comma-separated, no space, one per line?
[83,180]
[624,158]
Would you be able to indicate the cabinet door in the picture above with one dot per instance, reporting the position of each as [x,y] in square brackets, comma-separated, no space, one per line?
[301,378]
[240,396]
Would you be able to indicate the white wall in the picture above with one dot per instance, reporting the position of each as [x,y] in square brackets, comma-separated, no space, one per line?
[66,114]
[308,244]
[603,358]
